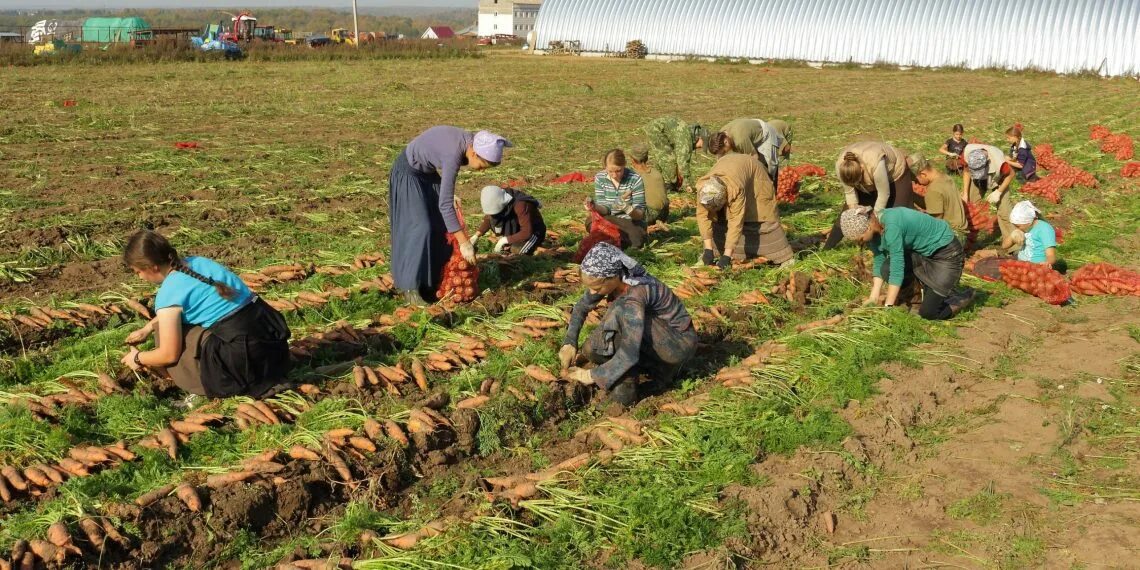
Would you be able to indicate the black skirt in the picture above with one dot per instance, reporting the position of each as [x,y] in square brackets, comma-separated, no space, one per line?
[245,353]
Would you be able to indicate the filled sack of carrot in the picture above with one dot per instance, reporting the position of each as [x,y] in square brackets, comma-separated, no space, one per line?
[1038,280]
[601,230]
[460,280]
[1106,279]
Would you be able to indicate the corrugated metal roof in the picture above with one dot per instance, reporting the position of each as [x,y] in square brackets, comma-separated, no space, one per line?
[1065,36]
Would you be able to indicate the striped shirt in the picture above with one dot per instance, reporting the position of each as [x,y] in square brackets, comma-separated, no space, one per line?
[631,192]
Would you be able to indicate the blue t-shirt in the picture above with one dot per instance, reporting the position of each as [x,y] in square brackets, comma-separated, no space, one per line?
[201,304]
[1041,236]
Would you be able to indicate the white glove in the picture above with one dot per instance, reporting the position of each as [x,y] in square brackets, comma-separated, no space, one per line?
[1017,236]
[566,355]
[501,244]
[468,252]
[994,197]
[580,375]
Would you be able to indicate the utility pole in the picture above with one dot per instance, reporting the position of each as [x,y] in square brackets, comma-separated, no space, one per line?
[355,25]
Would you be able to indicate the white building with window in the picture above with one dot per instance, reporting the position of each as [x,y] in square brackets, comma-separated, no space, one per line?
[507,17]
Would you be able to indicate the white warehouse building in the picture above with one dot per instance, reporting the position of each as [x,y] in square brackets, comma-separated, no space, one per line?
[507,17]
[1065,36]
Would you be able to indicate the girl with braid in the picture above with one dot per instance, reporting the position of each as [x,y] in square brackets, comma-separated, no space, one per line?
[213,336]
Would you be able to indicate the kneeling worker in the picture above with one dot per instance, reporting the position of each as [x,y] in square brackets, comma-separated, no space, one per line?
[514,217]
[646,329]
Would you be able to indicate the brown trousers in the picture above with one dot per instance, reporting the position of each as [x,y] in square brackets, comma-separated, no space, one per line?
[187,373]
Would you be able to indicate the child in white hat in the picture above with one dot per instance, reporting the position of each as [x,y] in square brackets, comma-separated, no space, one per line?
[1037,238]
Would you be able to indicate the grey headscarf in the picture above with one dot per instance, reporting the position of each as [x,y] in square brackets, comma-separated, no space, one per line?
[854,222]
[605,260]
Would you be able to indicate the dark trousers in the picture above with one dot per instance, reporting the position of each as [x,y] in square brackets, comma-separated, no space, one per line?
[944,265]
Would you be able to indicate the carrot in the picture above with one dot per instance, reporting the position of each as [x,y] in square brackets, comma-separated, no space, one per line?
[108,384]
[267,412]
[473,403]
[679,409]
[370,376]
[574,463]
[263,467]
[419,374]
[337,461]
[15,479]
[732,374]
[113,534]
[47,551]
[309,390]
[608,440]
[436,416]
[139,308]
[822,323]
[19,549]
[272,270]
[220,480]
[253,414]
[359,379]
[169,441]
[149,497]
[202,418]
[73,467]
[94,533]
[37,477]
[58,535]
[54,474]
[373,429]
[362,443]
[187,427]
[522,492]
[630,425]
[267,455]
[392,430]
[628,437]
[409,540]
[5,492]
[28,561]
[539,374]
[339,433]
[93,309]
[303,453]
[503,482]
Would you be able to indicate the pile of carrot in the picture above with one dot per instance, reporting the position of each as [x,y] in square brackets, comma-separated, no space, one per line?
[526,331]
[698,281]
[81,461]
[788,185]
[1062,176]
[60,545]
[1130,170]
[1119,145]
[276,274]
[81,315]
[1105,279]
[341,332]
[1036,279]
[455,355]
[741,374]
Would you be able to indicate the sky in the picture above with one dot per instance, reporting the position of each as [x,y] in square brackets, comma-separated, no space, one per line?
[237,4]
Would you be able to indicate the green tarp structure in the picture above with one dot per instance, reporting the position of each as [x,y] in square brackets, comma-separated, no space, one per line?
[109,30]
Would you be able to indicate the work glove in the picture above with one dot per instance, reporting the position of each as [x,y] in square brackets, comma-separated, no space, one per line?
[708,258]
[468,252]
[994,197]
[1017,236]
[580,375]
[566,355]
[501,244]
[725,262]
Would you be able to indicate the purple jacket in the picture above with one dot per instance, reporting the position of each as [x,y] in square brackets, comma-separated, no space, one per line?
[442,149]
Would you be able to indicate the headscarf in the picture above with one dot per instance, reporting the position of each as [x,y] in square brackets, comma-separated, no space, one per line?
[1023,212]
[854,222]
[713,193]
[605,260]
[978,162]
[494,200]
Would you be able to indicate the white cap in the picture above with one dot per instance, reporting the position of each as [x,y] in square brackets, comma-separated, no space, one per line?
[494,199]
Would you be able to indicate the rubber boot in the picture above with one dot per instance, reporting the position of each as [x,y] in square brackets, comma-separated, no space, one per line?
[413,298]
[625,392]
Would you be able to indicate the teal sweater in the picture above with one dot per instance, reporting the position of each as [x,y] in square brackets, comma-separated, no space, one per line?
[906,230]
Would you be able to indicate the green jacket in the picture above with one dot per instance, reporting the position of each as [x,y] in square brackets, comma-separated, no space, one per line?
[905,231]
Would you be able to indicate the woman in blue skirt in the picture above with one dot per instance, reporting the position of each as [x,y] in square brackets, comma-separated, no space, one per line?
[421,204]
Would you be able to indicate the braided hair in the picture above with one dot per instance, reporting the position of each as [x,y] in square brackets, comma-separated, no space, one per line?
[147,248]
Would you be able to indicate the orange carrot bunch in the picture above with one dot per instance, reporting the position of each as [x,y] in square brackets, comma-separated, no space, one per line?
[1106,279]
[1038,280]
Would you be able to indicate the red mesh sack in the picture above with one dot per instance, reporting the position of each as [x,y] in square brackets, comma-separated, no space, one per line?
[1117,145]
[1038,280]
[1131,170]
[1098,132]
[460,279]
[788,186]
[601,230]
[979,217]
[919,189]
[1106,279]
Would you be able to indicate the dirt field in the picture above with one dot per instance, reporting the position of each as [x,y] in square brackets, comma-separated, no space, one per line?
[1007,438]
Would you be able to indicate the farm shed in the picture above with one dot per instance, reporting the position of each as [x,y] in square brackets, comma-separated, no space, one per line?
[438,33]
[1064,36]
[108,30]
